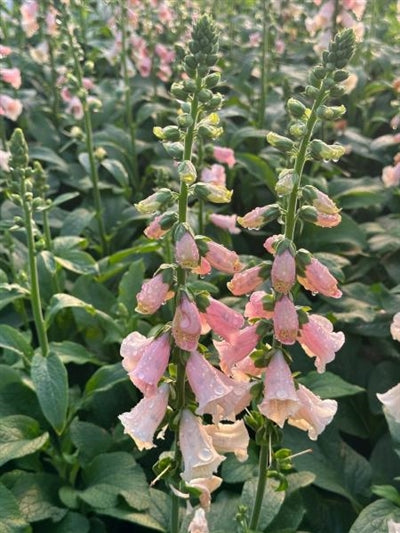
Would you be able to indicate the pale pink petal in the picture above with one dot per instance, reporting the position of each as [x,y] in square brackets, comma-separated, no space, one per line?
[391,401]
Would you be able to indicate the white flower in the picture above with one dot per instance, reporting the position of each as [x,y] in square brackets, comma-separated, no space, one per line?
[391,401]
[395,327]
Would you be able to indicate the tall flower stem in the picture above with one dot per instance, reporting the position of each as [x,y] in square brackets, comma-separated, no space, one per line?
[128,98]
[181,278]
[290,221]
[264,66]
[262,481]
[87,121]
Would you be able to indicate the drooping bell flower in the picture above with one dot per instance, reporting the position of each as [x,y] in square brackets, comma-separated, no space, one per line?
[230,438]
[29,13]
[11,76]
[10,107]
[260,305]
[224,155]
[391,401]
[186,324]
[227,222]
[243,369]
[200,458]
[223,320]
[280,399]
[186,252]
[215,393]
[248,280]
[214,174]
[244,343]
[160,225]
[152,365]
[204,267]
[198,523]
[142,421]
[154,292]
[286,321]
[206,485]
[318,340]
[283,272]
[132,349]
[317,278]
[220,257]
[271,243]
[313,414]
[259,216]
[395,327]
[328,214]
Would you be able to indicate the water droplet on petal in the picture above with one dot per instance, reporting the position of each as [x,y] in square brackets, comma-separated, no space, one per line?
[205,454]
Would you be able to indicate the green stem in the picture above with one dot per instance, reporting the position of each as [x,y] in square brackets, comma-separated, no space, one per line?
[264,68]
[49,246]
[290,222]
[89,148]
[33,273]
[128,98]
[262,481]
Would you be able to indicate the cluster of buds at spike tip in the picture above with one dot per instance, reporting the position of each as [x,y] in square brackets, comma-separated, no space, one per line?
[203,48]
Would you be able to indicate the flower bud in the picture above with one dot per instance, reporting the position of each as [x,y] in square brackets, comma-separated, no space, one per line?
[331,112]
[259,216]
[205,95]
[322,151]
[311,92]
[186,252]
[178,91]
[175,150]
[286,181]
[308,214]
[296,108]
[171,133]
[154,202]
[280,142]
[184,120]
[340,75]
[216,194]
[297,129]
[212,80]
[187,172]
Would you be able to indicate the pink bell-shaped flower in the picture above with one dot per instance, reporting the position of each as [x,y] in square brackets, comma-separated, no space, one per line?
[244,343]
[395,327]
[186,252]
[200,458]
[255,307]
[226,222]
[186,325]
[132,349]
[221,258]
[246,281]
[198,523]
[313,414]
[223,320]
[280,398]
[318,340]
[154,293]
[391,401]
[224,155]
[206,485]
[230,438]
[216,394]
[317,278]
[152,365]
[283,272]
[142,421]
[286,321]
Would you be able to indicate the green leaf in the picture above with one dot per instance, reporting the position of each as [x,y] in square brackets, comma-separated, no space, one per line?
[104,379]
[72,352]
[244,133]
[89,439]
[346,473]
[117,170]
[11,519]
[62,301]
[299,480]
[357,193]
[290,515]
[14,340]
[62,198]
[375,517]
[19,436]
[234,471]
[258,168]
[112,474]
[271,503]
[10,292]
[76,221]
[43,153]
[388,492]
[37,496]
[50,379]
[77,261]
[130,285]
[159,510]
[223,512]
[328,385]
[72,522]
[126,514]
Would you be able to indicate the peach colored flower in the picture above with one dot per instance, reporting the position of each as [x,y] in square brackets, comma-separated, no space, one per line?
[286,321]
[153,294]
[151,365]
[391,175]
[255,306]
[221,258]
[132,349]
[283,272]
[227,222]
[225,155]
[216,394]
[186,252]
[317,278]
[10,107]
[223,320]
[215,175]
[391,401]
[11,76]
[198,523]
[395,327]
[313,414]
[230,438]
[142,421]
[393,527]
[280,399]
[206,485]
[244,343]
[318,340]
[200,458]
[246,281]
[186,324]
[29,12]
[270,242]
